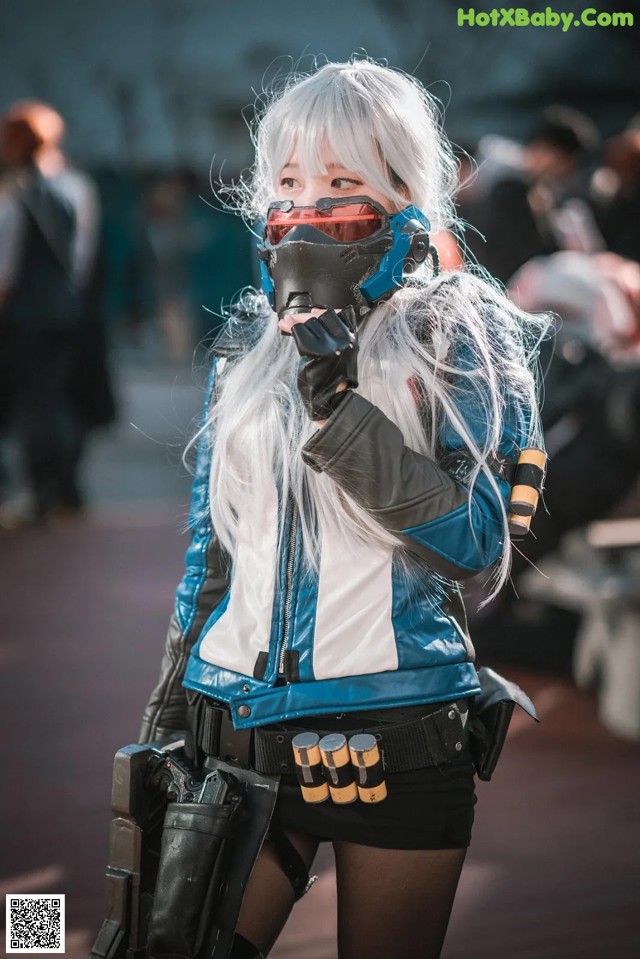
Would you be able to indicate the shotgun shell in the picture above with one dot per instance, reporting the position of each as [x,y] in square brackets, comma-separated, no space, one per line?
[525,492]
[338,770]
[308,760]
[367,763]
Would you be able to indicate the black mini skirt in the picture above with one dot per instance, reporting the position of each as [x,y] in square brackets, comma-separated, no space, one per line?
[429,808]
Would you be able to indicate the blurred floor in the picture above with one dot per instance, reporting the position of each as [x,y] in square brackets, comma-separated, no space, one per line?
[554,870]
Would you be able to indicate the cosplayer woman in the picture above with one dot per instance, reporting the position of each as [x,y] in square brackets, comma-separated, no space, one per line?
[351,472]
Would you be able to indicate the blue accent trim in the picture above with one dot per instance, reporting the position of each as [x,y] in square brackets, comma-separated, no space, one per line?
[223,684]
[348,694]
[303,621]
[423,631]
[470,546]
[216,614]
[515,431]
[267,284]
[389,275]
[472,400]
[352,694]
[200,522]
[471,538]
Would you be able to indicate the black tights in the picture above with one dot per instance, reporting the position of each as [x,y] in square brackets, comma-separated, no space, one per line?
[391,902]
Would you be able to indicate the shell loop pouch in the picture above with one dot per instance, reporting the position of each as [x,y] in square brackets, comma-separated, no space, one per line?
[490,717]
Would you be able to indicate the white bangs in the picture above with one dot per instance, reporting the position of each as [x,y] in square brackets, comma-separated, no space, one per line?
[378,122]
[350,132]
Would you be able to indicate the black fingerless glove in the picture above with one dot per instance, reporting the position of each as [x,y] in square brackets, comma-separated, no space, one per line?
[328,348]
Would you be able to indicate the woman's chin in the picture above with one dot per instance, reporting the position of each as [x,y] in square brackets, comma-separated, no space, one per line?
[285,324]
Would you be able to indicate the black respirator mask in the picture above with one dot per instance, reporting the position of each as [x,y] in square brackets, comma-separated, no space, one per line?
[342,251]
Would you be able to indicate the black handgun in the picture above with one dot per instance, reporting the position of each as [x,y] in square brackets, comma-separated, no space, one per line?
[173,776]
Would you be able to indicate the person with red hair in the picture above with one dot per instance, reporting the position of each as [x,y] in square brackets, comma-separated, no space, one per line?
[31,132]
[48,243]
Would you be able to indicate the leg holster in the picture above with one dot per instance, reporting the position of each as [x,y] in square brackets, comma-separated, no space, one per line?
[208,851]
[178,870]
[194,859]
[134,852]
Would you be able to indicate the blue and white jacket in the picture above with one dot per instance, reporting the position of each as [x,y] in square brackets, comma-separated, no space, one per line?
[276,641]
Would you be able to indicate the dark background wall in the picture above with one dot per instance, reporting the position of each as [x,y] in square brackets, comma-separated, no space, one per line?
[163,82]
[154,86]
[500,78]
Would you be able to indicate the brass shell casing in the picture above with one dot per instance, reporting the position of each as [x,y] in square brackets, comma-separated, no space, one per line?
[309,770]
[525,492]
[367,762]
[534,457]
[524,500]
[338,770]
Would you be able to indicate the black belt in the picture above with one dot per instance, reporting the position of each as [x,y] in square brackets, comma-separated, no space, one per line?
[429,740]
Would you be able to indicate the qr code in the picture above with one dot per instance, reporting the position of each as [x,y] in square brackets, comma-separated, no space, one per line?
[35,923]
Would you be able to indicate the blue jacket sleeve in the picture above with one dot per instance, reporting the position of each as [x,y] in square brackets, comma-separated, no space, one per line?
[426,503]
[203,585]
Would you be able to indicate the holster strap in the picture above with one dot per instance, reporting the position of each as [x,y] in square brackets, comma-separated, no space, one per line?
[291,862]
[214,733]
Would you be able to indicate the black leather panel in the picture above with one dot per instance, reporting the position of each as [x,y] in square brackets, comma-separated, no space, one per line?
[364,452]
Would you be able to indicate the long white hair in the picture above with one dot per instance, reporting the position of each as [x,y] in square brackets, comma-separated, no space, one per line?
[383,125]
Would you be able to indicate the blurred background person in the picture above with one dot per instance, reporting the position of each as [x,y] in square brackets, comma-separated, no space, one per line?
[591,419]
[615,192]
[525,201]
[56,384]
[591,387]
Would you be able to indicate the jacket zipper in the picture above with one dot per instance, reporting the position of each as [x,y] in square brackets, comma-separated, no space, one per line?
[288,588]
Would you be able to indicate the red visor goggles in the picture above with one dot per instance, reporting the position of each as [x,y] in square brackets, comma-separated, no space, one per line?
[347,220]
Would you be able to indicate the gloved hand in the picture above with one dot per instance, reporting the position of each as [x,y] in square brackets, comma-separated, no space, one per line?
[328,348]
